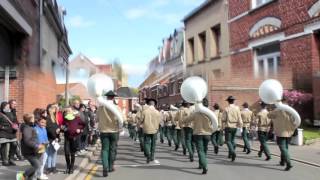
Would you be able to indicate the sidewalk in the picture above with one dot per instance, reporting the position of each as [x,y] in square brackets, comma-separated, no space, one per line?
[309,154]
[9,172]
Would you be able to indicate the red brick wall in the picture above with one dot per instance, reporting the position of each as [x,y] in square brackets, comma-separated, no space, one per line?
[316,96]
[293,15]
[16,91]
[39,89]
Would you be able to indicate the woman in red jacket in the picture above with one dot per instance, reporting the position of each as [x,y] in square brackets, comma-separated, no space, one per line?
[72,126]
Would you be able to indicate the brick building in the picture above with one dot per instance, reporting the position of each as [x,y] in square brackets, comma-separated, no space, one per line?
[274,39]
[28,57]
[166,71]
[207,47]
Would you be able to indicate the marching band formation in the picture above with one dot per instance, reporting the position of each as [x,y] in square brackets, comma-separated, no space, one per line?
[190,124]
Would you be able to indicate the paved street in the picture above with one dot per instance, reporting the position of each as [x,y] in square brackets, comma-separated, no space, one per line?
[173,165]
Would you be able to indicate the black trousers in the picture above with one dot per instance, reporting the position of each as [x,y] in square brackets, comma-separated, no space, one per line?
[70,148]
[4,151]
[35,165]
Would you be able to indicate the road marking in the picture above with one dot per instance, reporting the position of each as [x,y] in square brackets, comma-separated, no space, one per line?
[92,171]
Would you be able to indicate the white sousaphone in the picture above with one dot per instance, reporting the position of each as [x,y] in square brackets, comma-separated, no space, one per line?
[193,90]
[98,85]
[271,92]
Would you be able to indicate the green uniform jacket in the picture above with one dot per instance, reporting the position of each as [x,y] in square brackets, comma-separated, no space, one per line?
[282,123]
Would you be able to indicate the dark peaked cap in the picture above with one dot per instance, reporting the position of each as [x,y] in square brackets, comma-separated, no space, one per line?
[111,94]
[230,98]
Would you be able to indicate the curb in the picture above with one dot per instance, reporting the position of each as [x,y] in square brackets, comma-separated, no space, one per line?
[311,141]
[293,159]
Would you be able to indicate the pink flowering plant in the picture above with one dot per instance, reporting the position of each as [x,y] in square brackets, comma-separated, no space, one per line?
[301,101]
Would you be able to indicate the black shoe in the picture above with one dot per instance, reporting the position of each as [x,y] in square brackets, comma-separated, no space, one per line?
[229,156]
[11,163]
[66,171]
[268,158]
[233,157]
[248,151]
[191,159]
[259,154]
[54,170]
[176,149]
[184,151]
[288,168]
[244,149]
[216,149]
[105,173]
[71,171]
[169,144]
[281,163]
[148,160]
[161,141]
[5,163]
[204,171]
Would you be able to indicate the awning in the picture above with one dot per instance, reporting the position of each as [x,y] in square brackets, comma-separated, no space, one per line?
[14,17]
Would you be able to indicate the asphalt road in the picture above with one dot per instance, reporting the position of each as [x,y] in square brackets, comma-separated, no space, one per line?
[131,164]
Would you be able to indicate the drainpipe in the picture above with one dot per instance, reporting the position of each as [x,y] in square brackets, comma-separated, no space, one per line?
[40,31]
[67,83]
[6,83]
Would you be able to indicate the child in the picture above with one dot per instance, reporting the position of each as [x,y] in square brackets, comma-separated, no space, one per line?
[72,129]
[42,139]
[30,147]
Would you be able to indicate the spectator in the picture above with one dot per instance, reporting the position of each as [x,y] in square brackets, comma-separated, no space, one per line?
[30,147]
[53,135]
[84,135]
[8,129]
[42,138]
[92,125]
[13,108]
[72,126]
[59,116]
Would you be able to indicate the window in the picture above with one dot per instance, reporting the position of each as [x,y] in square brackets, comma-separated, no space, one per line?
[171,88]
[202,50]
[257,3]
[191,50]
[216,39]
[268,61]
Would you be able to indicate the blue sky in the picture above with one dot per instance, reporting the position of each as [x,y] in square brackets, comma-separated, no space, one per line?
[129,30]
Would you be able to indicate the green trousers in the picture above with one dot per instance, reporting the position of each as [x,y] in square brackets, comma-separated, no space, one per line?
[217,138]
[188,140]
[245,137]
[283,143]
[169,132]
[230,134]
[141,138]
[161,131]
[150,145]
[263,138]
[178,138]
[108,150]
[202,142]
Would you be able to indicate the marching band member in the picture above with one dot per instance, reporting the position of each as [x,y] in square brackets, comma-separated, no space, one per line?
[232,119]
[187,128]
[202,130]
[216,137]
[151,121]
[284,128]
[178,131]
[264,123]
[247,118]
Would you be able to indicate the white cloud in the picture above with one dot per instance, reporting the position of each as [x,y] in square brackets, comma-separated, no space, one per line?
[99,60]
[135,69]
[79,22]
[136,13]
